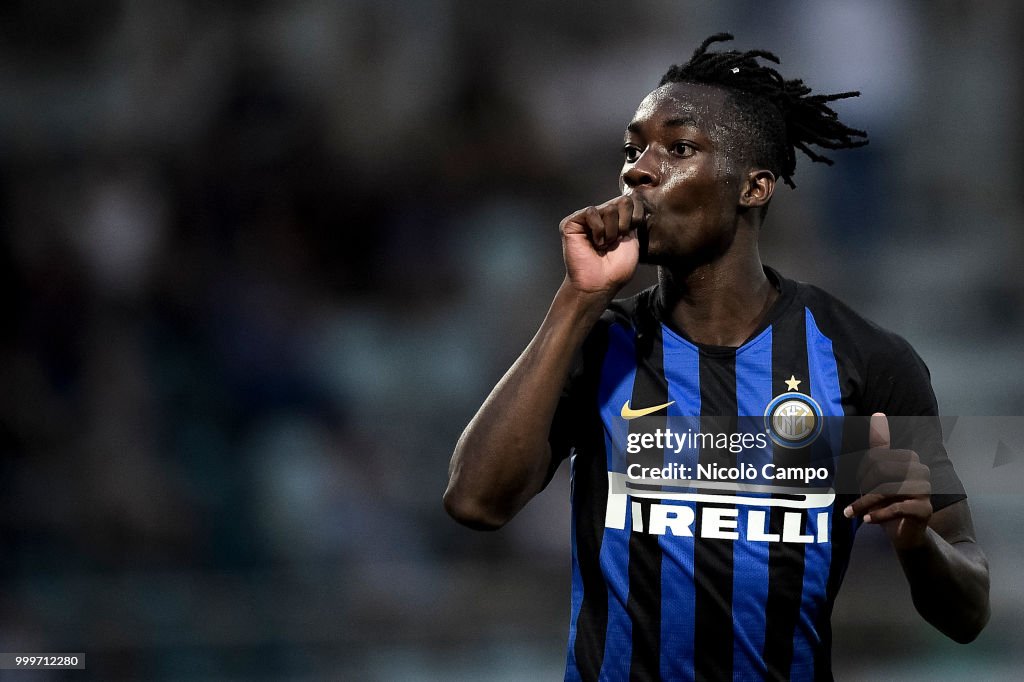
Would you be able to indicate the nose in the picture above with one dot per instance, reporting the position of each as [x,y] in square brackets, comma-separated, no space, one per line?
[639,174]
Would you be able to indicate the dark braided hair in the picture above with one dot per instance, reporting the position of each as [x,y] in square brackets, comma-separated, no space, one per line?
[775,116]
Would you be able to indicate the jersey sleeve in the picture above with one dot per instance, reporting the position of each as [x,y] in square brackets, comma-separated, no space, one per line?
[577,415]
[561,437]
[898,384]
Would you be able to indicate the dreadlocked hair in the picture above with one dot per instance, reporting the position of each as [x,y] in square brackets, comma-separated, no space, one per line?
[778,115]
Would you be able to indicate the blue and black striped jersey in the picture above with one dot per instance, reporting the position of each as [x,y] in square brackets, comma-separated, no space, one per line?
[690,578]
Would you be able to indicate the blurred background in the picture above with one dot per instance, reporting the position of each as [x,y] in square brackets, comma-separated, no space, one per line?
[262,261]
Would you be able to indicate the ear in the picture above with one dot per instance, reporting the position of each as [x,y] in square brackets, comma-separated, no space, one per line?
[758,188]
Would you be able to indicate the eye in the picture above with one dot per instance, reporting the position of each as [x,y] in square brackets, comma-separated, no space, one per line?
[631,152]
[683,149]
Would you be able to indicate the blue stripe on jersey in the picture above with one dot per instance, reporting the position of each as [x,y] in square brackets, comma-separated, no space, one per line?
[617,378]
[824,380]
[821,363]
[682,372]
[750,576]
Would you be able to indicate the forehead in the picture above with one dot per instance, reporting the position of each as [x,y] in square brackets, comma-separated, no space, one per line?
[700,105]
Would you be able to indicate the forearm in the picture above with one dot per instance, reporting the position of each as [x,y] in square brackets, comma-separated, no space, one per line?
[949,584]
[503,456]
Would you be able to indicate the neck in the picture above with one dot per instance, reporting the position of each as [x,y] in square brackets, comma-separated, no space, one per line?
[720,302]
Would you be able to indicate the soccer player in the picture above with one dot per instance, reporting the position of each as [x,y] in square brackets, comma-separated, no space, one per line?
[674,577]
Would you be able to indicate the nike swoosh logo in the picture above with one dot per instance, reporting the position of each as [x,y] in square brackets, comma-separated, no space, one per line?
[628,413]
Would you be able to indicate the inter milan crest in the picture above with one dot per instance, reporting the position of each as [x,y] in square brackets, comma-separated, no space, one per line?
[793,419]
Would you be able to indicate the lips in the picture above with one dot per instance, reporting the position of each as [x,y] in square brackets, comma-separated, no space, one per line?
[648,214]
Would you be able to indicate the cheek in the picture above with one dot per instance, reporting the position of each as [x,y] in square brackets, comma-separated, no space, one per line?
[692,189]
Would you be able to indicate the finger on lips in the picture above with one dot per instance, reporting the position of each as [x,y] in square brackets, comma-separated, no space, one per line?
[606,223]
[625,217]
[637,210]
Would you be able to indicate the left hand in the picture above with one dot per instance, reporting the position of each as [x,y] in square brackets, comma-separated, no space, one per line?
[895,489]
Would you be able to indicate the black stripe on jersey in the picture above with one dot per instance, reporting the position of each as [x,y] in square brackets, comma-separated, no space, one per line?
[712,557]
[590,491]
[644,603]
[785,559]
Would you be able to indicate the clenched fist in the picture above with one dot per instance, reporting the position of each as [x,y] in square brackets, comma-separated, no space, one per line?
[600,245]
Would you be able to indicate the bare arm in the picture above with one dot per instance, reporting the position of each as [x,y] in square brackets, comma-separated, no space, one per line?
[946,569]
[503,456]
[948,574]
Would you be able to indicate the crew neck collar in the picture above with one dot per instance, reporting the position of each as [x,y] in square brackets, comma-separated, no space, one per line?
[785,287]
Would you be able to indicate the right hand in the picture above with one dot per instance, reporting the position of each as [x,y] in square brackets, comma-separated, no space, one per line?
[600,245]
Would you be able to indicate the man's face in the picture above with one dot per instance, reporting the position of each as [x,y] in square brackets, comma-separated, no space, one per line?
[678,163]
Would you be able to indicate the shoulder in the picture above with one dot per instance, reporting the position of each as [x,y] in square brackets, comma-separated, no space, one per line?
[850,332]
[631,312]
[846,327]
[625,322]
[886,370]
[615,331]
[625,319]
